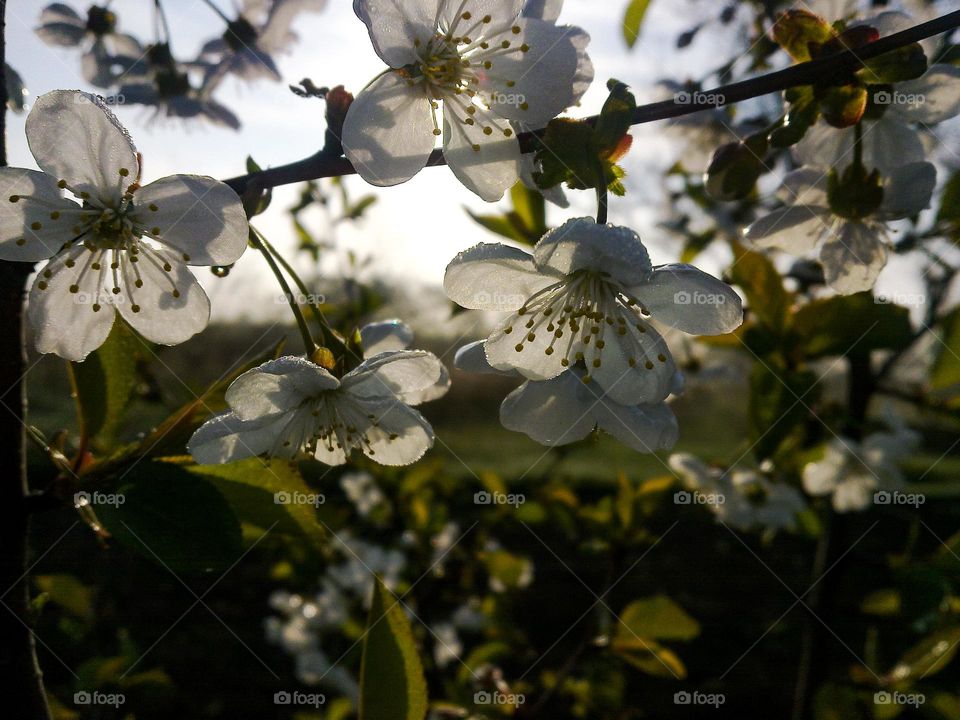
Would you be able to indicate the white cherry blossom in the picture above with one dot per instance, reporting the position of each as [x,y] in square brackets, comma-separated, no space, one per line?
[853,251]
[472,71]
[126,248]
[394,335]
[565,409]
[584,297]
[290,405]
[852,472]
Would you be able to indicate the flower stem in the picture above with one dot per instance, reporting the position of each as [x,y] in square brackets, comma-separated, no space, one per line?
[218,11]
[602,197]
[309,343]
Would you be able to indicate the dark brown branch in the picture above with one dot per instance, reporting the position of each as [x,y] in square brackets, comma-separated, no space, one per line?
[823,70]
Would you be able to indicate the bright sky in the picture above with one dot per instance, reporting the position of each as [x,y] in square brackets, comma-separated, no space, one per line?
[414,229]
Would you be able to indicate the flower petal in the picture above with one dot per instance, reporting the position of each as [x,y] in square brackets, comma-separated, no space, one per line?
[65,308]
[534,83]
[225,438]
[806,186]
[582,244]
[690,300]
[645,428]
[61,34]
[385,336]
[795,229]
[388,132]
[554,412]
[401,435]
[35,219]
[908,190]
[393,374]
[493,276]
[935,95]
[472,358]
[74,137]
[487,164]
[196,215]
[852,262]
[277,386]
[548,10]
[169,307]
[395,26]
[458,16]
[60,12]
[636,366]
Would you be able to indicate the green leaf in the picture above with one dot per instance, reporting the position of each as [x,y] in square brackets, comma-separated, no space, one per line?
[254,488]
[945,377]
[844,106]
[530,207]
[633,20]
[835,325]
[567,155]
[929,656]
[796,31]
[499,225]
[656,617]
[392,686]
[616,118]
[69,593]
[906,63]
[175,518]
[653,659]
[762,285]
[506,569]
[105,381]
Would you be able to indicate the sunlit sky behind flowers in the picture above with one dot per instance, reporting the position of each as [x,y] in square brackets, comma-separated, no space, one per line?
[416,228]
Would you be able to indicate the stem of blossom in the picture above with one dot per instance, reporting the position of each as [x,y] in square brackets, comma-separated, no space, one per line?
[858,145]
[161,13]
[602,197]
[309,343]
[835,65]
[329,336]
[24,696]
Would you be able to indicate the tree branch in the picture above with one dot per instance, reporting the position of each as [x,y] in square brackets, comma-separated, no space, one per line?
[330,164]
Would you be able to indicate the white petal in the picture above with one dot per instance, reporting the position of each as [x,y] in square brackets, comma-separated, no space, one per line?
[64,321]
[795,229]
[806,186]
[852,262]
[690,300]
[935,95]
[401,436]
[393,374]
[854,493]
[169,307]
[492,276]
[62,34]
[692,471]
[512,345]
[548,10]
[645,428]
[197,216]
[582,244]
[503,14]
[650,376]
[385,336]
[38,201]
[277,386]
[394,26]
[889,143]
[487,165]
[472,358]
[96,65]
[555,412]
[823,145]
[886,23]
[433,392]
[74,137]
[908,190]
[388,132]
[823,476]
[226,438]
[533,87]
[60,12]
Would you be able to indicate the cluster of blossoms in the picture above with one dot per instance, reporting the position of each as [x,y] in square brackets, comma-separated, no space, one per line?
[292,404]
[579,330]
[743,499]
[125,247]
[151,76]
[472,71]
[852,472]
[858,178]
